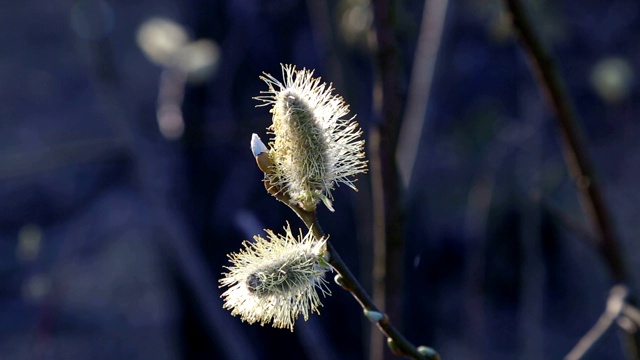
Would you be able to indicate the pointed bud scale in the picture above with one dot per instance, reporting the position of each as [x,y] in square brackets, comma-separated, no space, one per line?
[373,316]
[261,154]
[257,146]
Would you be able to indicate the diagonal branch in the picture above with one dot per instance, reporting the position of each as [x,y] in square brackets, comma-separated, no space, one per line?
[575,152]
[420,83]
[397,342]
[388,212]
[615,306]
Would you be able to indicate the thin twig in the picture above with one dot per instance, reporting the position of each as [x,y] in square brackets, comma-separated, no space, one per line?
[402,346]
[615,305]
[575,150]
[564,219]
[575,153]
[388,211]
[398,343]
[632,313]
[424,64]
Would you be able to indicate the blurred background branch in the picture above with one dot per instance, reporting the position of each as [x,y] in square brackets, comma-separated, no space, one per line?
[615,305]
[125,176]
[576,152]
[434,14]
[388,234]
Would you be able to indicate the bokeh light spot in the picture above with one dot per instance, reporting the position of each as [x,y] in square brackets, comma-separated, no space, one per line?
[29,242]
[612,79]
[160,39]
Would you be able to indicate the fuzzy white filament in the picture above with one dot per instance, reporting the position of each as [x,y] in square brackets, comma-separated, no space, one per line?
[275,280]
[313,147]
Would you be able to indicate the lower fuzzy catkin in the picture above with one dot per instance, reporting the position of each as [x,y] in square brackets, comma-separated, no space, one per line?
[275,280]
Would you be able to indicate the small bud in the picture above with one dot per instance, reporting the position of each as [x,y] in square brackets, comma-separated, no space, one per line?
[428,352]
[340,281]
[259,150]
[257,146]
[373,316]
[393,347]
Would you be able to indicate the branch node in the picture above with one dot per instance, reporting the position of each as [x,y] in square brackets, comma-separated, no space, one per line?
[428,352]
[374,316]
[339,279]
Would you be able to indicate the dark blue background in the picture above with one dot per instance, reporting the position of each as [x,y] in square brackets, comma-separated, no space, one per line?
[113,237]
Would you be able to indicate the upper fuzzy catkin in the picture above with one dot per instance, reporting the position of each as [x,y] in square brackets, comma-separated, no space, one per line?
[313,147]
[275,280]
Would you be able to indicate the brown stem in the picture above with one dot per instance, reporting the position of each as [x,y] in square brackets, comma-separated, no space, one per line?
[387,200]
[401,345]
[575,150]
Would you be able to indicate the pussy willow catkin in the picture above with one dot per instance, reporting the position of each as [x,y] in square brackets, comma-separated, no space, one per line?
[275,280]
[313,147]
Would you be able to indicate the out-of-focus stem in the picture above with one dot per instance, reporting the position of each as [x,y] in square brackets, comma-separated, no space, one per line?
[424,63]
[401,345]
[388,214]
[615,306]
[575,152]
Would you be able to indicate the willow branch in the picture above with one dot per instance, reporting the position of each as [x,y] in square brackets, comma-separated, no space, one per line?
[420,83]
[575,152]
[632,313]
[388,212]
[397,342]
[564,219]
[615,306]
